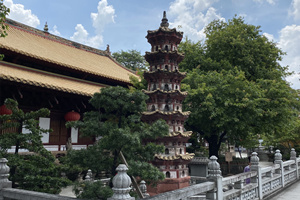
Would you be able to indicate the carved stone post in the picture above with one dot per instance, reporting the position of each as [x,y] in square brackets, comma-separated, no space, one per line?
[143,188]
[293,156]
[255,167]
[215,174]
[121,183]
[4,173]
[278,160]
[89,176]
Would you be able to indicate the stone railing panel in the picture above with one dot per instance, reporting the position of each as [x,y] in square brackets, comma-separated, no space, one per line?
[185,192]
[18,194]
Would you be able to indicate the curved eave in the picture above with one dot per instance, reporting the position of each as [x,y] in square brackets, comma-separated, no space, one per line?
[165,92]
[164,30]
[167,113]
[184,134]
[178,73]
[163,52]
[28,76]
[187,156]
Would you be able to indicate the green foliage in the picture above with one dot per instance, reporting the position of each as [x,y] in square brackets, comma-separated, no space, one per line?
[12,125]
[117,121]
[36,170]
[4,11]
[90,190]
[236,89]
[131,59]
[138,83]
[193,53]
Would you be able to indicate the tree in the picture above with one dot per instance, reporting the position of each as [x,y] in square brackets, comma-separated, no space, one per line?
[4,11]
[117,121]
[132,59]
[36,170]
[236,86]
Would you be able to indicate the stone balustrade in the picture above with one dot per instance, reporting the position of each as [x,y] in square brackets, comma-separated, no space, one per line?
[265,182]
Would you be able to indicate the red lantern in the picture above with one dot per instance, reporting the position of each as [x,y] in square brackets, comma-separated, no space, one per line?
[5,111]
[72,116]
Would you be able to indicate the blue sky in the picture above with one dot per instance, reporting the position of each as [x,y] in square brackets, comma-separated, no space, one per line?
[123,24]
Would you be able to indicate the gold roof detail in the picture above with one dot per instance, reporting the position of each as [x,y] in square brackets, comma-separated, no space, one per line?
[53,49]
[187,156]
[29,76]
[184,134]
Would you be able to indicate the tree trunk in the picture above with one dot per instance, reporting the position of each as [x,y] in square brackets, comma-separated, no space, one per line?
[213,145]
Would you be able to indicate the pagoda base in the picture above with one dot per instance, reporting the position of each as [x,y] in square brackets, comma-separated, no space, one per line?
[169,184]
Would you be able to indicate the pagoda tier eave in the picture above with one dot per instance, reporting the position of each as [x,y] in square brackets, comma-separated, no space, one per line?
[183,134]
[167,113]
[170,92]
[161,53]
[187,156]
[165,30]
[157,72]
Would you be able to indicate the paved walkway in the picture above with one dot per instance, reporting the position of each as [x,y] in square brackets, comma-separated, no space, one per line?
[290,193]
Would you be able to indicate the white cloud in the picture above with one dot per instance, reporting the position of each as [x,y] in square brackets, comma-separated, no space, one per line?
[105,15]
[20,14]
[82,36]
[272,2]
[289,42]
[190,16]
[54,31]
[295,11]
[269,36]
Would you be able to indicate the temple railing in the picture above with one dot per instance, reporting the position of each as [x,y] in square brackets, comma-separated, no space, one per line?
[258,183]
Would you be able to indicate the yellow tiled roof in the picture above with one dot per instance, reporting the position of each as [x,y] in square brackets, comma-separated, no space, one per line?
[37,44]
[28,76]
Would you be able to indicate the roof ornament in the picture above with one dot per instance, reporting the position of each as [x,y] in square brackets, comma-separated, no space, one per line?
[46,28]
[108,50]
[164,21]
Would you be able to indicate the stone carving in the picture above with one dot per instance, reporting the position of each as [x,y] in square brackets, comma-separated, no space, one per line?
[121,183]
[4,173]
[293,154]
[213,167]
[278,155]
[89,176]
[254,159]
[143,188]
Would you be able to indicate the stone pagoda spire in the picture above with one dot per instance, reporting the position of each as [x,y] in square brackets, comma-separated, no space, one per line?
[165,102]
[164,21]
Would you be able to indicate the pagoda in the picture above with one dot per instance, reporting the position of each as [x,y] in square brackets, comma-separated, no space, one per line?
[165,102]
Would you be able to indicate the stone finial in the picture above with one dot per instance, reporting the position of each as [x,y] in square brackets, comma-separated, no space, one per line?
[254,160]
[4,173]
[89,176]
[293,155]
[164,21]
[214,167]
[46,28]
[278,156]
[121,183]
[143,188]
